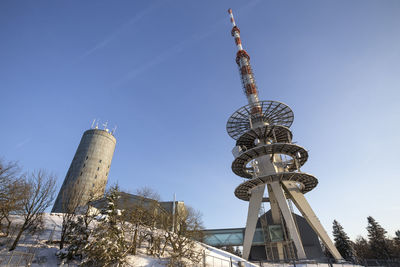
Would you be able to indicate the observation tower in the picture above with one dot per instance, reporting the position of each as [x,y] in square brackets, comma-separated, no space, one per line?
[266,156]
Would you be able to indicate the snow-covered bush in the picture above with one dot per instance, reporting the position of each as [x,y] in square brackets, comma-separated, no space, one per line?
[108,246]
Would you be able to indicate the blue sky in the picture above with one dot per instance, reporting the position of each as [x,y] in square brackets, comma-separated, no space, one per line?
[164,73]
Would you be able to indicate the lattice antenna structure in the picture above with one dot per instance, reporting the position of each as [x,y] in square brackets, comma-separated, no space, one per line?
[266,156]
[246,73]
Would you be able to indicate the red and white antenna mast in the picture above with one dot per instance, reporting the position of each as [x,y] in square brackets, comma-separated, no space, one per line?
[246,73]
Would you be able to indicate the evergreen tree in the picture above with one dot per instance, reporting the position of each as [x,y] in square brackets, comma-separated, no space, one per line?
[188,227]
[377,239]
[342,241]
[238,252]
[81,226]
[108,246]
[77,239]
[396,245]
[397,238]
[362,250]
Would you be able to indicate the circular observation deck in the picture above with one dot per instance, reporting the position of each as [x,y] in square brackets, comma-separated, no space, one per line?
[277,133]
[306,182]
[272,112]
[298,154]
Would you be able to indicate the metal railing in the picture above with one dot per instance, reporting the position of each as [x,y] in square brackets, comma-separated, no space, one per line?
[16,258]
[214,261]
[380,262]
[30,242]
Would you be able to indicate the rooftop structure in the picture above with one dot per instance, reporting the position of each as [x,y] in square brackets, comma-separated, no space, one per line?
[127,201]
[266,156]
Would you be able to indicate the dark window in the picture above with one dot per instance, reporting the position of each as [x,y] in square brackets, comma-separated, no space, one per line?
[108,166]
[81,173]
[95,176]
[98,168]
[87,157]
[99,161]
[106,173]
[92,185]
[84,165]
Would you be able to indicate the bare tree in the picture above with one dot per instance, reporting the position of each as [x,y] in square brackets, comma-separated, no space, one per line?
[40,197]
[13,190]
[149,193]
[188,228]
[77,224]
[73,197]
[8,171]
[142,214]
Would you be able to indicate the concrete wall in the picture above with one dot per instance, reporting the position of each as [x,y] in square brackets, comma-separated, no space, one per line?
[89,169]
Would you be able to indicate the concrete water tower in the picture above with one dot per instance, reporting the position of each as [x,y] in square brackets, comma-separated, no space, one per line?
[88,173]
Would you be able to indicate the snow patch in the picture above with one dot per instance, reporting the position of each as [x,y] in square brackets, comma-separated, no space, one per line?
[45,252]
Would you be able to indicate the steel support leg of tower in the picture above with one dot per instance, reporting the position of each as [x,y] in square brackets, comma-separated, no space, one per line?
[305,209]
[287,215]
[276,218]
[252,217]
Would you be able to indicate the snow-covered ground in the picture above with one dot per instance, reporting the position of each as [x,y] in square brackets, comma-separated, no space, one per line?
[44,252]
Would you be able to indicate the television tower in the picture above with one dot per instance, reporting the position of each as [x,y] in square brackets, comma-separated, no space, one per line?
[265,155]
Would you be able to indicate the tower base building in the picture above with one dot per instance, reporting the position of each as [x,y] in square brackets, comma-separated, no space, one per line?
[266,238]
[269,235]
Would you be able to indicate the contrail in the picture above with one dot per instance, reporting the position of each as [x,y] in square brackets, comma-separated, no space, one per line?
[122,28]
[177,48]
[24,142]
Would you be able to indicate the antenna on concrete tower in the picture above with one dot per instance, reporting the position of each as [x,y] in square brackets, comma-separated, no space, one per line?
[105,126]
[91,127]
[114,129]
